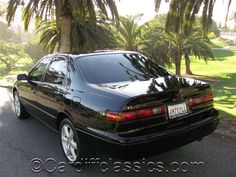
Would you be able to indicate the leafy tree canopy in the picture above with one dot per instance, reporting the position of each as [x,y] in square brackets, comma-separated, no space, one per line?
[10,53]
[34,50]
[7,34]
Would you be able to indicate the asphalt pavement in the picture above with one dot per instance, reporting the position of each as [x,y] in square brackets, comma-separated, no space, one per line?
[28,148]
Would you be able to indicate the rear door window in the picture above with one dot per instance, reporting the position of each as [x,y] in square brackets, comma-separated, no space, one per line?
[57,71]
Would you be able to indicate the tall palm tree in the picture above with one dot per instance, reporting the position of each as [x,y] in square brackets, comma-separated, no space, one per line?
[86,35]
[188,11]
[227,13]
[63,11]
[49,36]
[183,45]
[127,32]
[198,45]
[233,17]
[179,25]
[153,42]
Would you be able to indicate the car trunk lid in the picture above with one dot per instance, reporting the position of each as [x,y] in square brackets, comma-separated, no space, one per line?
[149,98]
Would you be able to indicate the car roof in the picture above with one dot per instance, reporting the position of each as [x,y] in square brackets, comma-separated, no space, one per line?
[98,52]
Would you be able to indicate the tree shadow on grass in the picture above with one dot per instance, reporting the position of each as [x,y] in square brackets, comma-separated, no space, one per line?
[221,54]
[225,94]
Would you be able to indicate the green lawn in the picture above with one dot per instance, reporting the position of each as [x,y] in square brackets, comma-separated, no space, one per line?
[221,73]
[217,43]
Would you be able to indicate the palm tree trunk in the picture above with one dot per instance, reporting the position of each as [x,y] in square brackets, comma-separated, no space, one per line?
[187,65]
[66,20]
[178,56]
[235,21]
[65,44]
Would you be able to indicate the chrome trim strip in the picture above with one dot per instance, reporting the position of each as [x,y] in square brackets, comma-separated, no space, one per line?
[38,108]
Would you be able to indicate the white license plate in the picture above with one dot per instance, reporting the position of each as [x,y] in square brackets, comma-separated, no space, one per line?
[177,110]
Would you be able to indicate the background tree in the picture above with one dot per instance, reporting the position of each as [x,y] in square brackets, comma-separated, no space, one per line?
[233,17]
[34,50]
[189,10]
[128,32]
[214,29]
[164,47]
[8,34]
[179,24]
[10,53]
[227,13]
[198,45]
[63,11]
[153,42]
[2,11]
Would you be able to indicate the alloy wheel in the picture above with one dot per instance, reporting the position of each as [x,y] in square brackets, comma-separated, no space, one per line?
[69,143]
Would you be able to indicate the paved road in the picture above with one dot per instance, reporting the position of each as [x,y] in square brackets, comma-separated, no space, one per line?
[23,140]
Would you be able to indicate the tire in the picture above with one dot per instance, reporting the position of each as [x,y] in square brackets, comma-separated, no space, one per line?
[20,111]
[70,141]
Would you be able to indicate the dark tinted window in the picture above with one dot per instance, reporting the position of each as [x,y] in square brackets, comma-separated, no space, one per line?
[118,68]
[38,71]
[57,71]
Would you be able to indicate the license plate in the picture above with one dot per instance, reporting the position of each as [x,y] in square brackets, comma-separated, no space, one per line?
[177,110]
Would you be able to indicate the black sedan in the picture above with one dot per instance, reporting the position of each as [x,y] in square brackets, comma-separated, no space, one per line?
[117,97]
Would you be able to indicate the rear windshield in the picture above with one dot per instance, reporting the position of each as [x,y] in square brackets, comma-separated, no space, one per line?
[109,68]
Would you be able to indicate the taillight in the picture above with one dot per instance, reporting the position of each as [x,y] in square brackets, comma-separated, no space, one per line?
[131,115]
[202,99]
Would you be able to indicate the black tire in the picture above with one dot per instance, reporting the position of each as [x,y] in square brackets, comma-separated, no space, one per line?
[66,122]
[21,113]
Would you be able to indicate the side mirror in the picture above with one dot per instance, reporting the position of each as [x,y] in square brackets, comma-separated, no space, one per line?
[21,77]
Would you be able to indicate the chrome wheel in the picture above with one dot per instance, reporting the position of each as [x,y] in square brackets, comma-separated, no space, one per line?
[69,143]
[17,105]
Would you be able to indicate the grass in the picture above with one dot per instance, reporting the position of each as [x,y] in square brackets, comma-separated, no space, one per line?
[218,43]
[233,48]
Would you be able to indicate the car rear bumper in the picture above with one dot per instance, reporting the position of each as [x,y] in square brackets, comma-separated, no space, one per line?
[166,139]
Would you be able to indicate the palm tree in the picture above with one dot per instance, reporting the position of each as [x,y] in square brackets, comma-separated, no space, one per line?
[153,42]
[179,26]
[187,10]
[175,49]
[86,35]
[233,17]
[182,45]
[63,11]
[163,46]
[198,45]
[227,13]
[127,32]
[49,36]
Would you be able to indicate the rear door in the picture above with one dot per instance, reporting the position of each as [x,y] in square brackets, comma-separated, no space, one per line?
[51,92]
